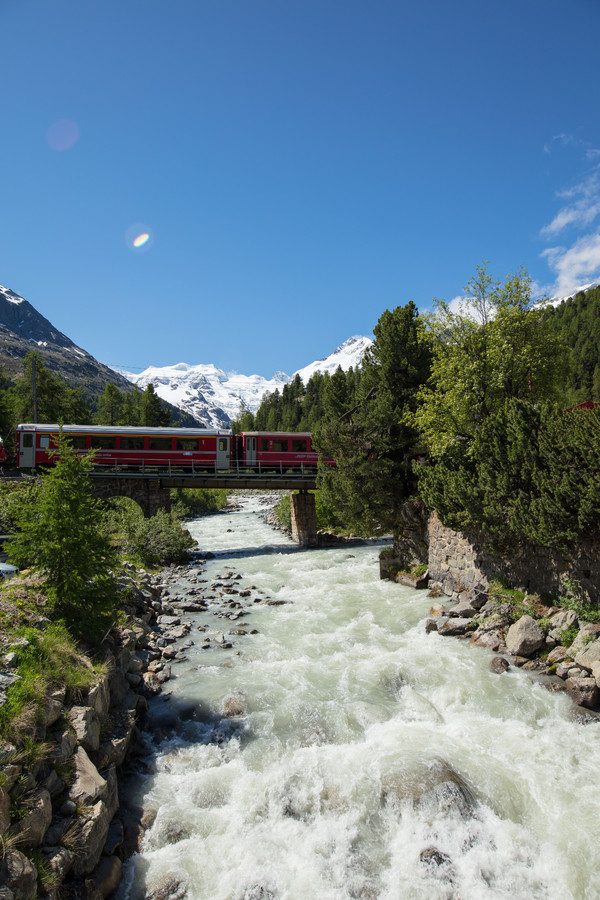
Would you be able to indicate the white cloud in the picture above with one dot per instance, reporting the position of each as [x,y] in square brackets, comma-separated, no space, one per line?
[582,211]
[574,266]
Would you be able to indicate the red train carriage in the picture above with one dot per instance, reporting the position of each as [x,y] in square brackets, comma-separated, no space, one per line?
[276,449]
[128,447]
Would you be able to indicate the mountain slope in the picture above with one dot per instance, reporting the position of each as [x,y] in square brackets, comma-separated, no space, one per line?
[23,328]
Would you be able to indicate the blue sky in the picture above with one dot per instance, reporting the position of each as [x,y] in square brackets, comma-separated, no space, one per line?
[299,165]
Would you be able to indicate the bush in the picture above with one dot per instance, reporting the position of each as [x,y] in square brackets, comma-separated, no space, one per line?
[14,497]
[160,539]
[190,502]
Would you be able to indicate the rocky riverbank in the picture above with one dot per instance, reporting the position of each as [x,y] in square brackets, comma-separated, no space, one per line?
[64,815]
[553,642]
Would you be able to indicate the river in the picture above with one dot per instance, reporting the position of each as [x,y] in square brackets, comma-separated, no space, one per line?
[322,788]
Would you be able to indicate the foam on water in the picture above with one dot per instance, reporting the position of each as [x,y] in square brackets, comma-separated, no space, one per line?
[326,787]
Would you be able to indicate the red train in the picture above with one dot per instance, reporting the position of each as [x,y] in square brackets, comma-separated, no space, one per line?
[182,449]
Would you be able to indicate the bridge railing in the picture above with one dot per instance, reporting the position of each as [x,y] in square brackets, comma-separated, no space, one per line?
[203,470]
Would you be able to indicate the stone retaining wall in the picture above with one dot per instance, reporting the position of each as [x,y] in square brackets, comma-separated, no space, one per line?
[460,561]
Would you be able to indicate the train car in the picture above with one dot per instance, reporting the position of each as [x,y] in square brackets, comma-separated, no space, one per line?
[277,450]
[130,448]
[3,456]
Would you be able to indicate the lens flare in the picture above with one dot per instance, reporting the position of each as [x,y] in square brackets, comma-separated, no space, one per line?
[62,134]
[139,237]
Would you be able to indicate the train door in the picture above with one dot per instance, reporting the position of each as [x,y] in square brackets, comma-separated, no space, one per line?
[250,451]
[27,449]
[223,451]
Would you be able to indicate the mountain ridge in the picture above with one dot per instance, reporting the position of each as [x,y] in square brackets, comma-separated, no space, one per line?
[210,394]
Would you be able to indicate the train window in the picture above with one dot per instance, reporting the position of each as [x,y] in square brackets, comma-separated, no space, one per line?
[26,440]
[222,443]
[103,442]
[280,446]
[78,441]
[299,446]
[187,444]
[44,442]
[264,444]
[132,443]
[160,443]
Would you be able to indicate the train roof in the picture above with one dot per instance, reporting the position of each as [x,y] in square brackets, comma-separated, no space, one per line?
[122,429]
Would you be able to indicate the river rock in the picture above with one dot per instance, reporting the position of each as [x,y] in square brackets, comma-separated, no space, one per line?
[107,875]
[448,798]
[589,656]
[86,725]
[557,655]
[584,692]
[565,618]
[451,627]
[53,707]
[18,874]
[59,859]
[492,640]
[33,826]
[463,609]
[525,637]
[587,635]
[499,665]
[88,785]
[89,837]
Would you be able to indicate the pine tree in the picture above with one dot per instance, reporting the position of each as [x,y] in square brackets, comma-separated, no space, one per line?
[153,413]
[110,406]
[62,536]
[371,442]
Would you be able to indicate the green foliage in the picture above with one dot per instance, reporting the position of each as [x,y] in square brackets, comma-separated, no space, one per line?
[568,635]
[576,322]
[153,412]
[110,406]
[498,349]
[283,511]
[573,597]
[373,441]
[14,497]
[189,502]
[160,539]
[529,476]
[56,401]
[60,535]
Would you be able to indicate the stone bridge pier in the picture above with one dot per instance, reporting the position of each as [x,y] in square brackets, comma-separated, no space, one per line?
[304,519]
[148,493]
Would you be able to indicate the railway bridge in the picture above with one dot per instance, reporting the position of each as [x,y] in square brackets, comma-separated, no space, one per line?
[151,487]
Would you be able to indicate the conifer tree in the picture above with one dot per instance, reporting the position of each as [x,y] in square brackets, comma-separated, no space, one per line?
[62,536]
[371,442]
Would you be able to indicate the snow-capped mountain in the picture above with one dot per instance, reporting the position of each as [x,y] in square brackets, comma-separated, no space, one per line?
[216,397]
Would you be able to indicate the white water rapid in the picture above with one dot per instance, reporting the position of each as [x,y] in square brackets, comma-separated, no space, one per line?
[324,787]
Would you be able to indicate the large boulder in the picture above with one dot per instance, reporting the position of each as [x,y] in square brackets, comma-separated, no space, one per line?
[589,656]
[18,874]
[525,637]
[584,692]
[86,725]
[88,785]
